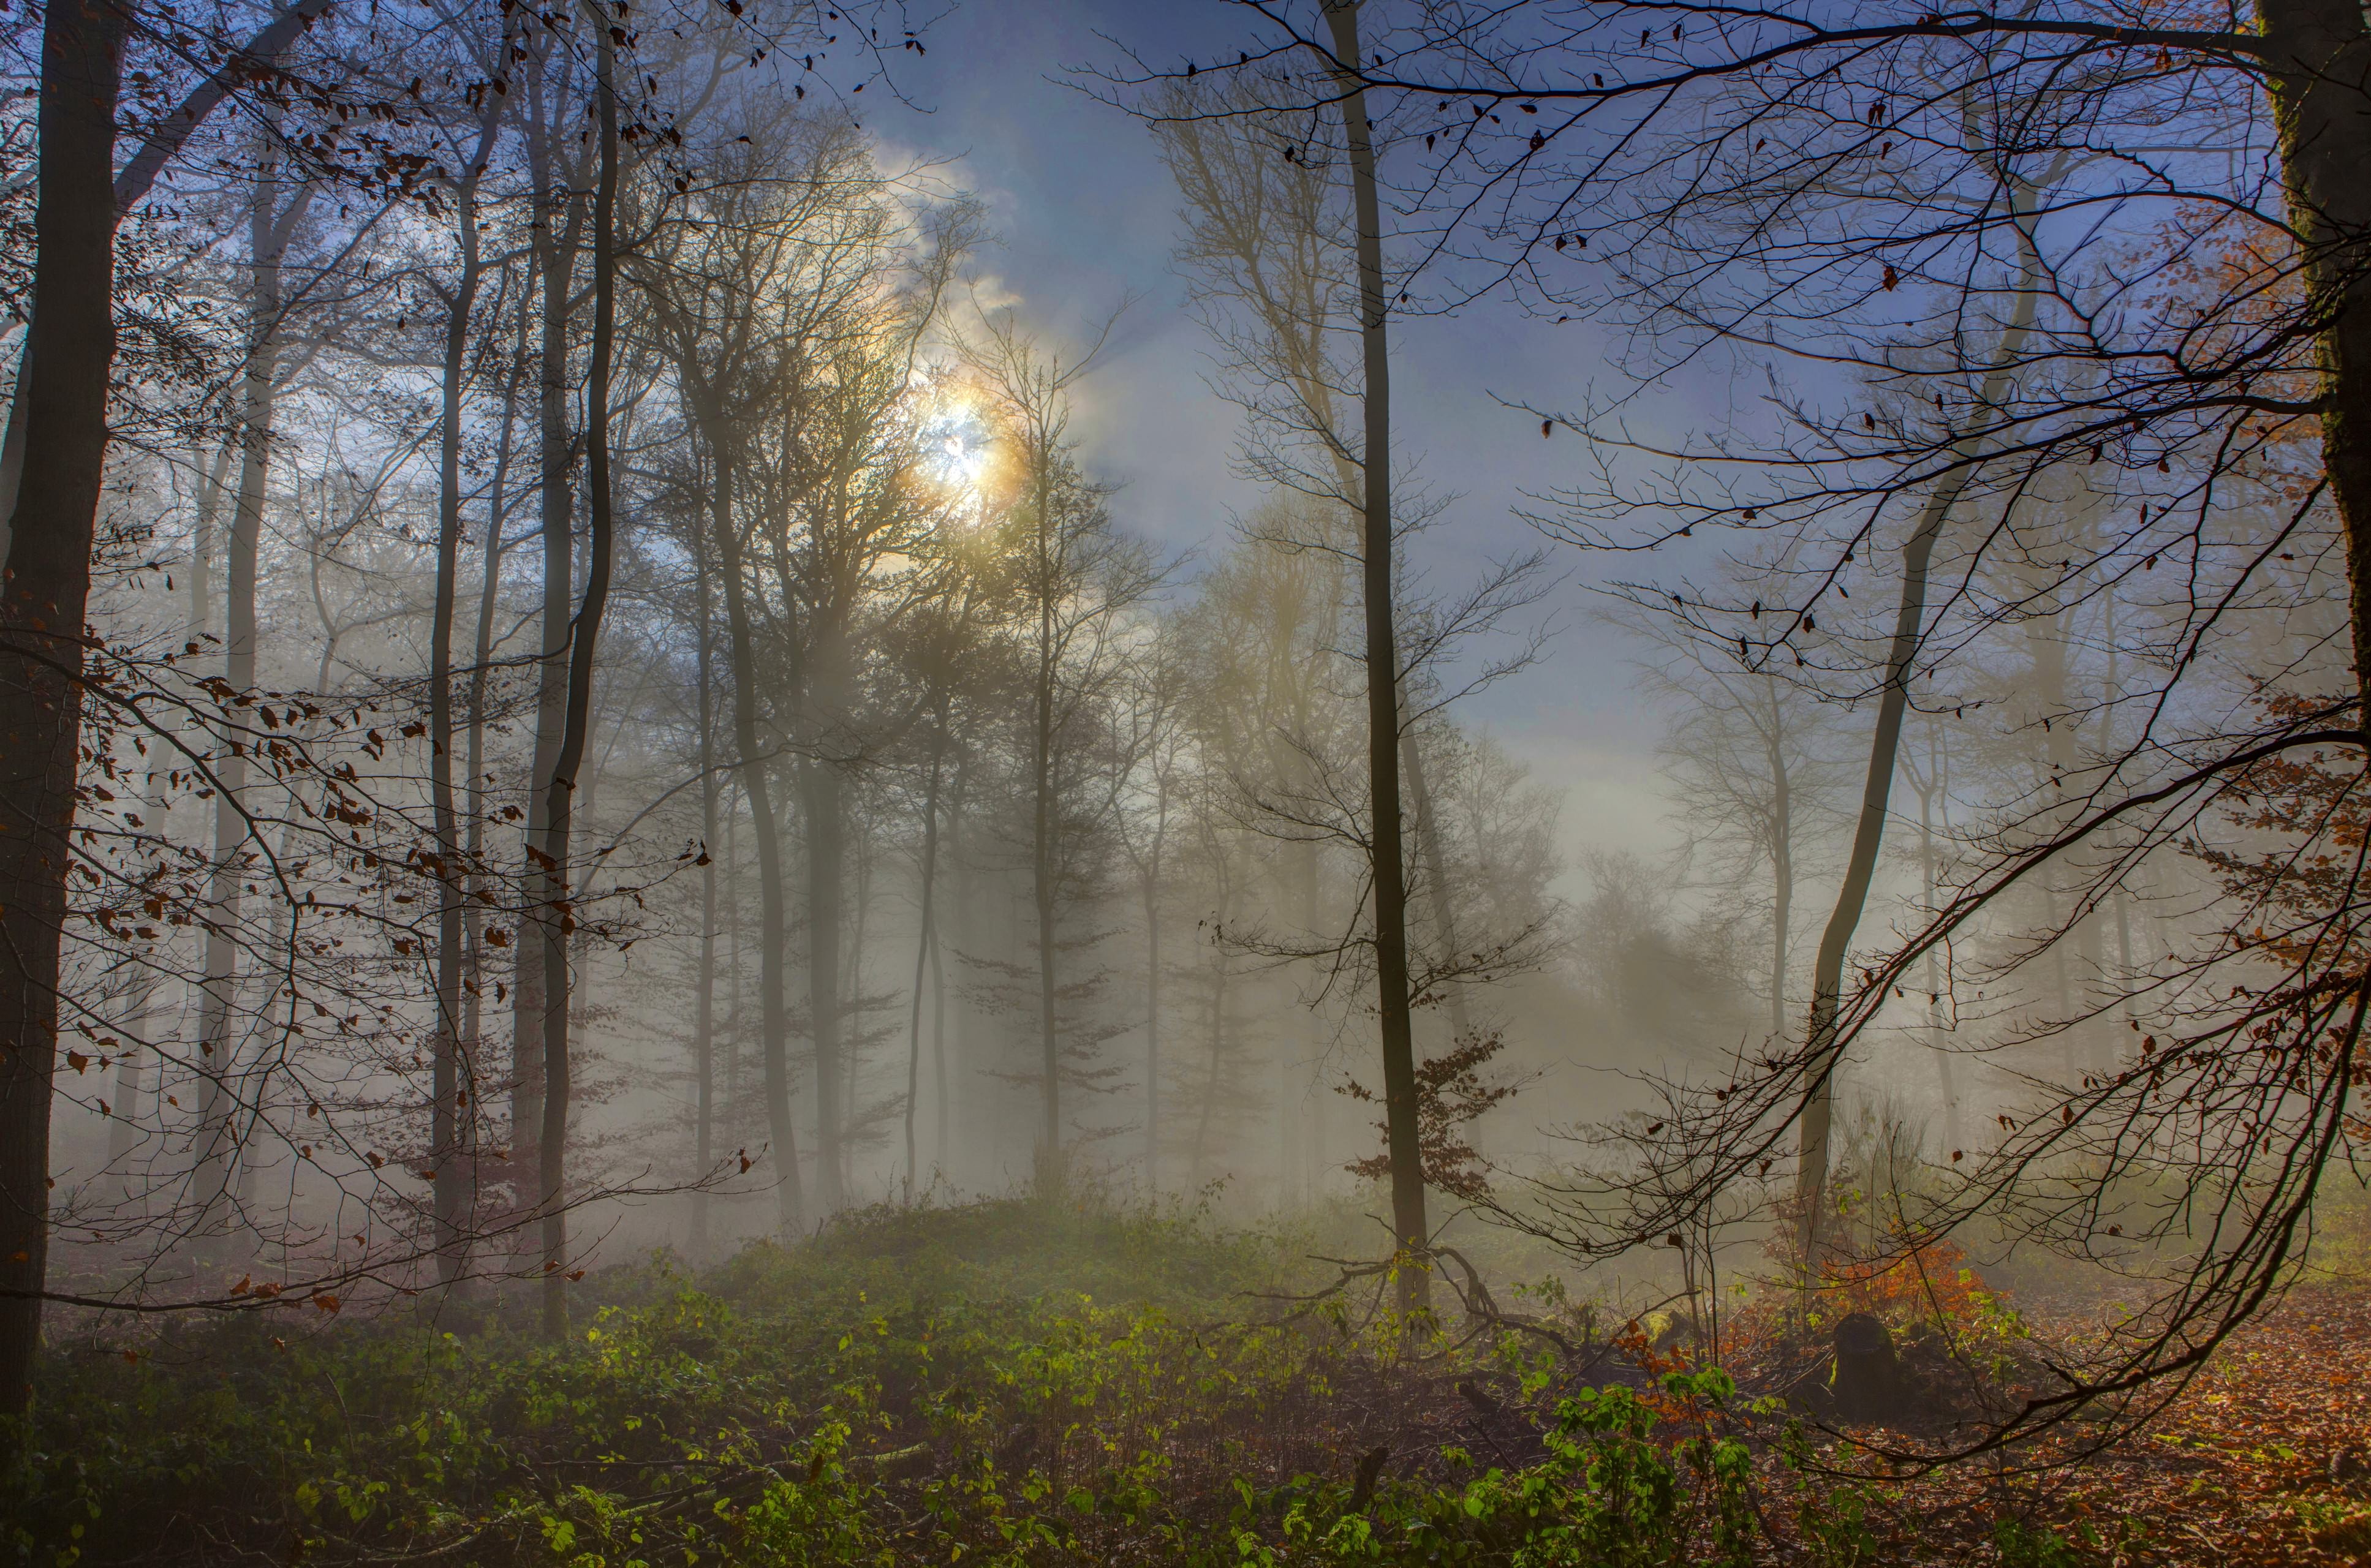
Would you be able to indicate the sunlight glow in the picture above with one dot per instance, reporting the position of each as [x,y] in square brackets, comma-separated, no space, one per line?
[958,444]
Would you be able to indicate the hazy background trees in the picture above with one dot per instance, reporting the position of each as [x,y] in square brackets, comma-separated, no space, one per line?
[622,685]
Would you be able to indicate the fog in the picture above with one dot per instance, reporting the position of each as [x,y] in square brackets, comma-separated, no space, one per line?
[705,624]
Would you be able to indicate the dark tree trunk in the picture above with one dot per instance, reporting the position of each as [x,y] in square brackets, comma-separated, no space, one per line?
[555,250]
[2319,52]
[1877,791]
[1385,852]
[69,352]
[583,642]
[452,1084]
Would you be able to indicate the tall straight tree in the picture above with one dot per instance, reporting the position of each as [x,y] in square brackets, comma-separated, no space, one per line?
[1822,1043]
[752,272]
[276,207]
[559,787]
[70,350]
[1075,578]
[452,1083]
[1386,855]
[703,1036]
[1275,244]
[556,238]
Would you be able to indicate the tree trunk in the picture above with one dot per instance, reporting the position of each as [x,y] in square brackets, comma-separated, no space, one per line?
[1944,1077]
[555,255]
[69,352]
[1782,866]
[1385,849]
[473,1000]
[939,1010]
[703,1037]
[583,642]
[773,935]
[1436,874]
[820,793]
[925,940]
[124,1131]
[451,1084]
[1868,833]
[1041,844]
[1151,889]
[2318,55]
[269,227]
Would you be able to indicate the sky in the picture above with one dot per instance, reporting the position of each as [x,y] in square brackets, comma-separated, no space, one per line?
[1084,217]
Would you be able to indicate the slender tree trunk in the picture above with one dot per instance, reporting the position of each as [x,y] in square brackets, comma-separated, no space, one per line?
[939,1009]
[473,1001]
[1782,868]
[269,227]
[555,250]
[703,1038]
[940,1110]
[1385,849]
[1877,793]
[1213,1075]
[820,793]
[1042,868]
[852,988]
[926,941]
[69,353]
[130,1070]
[584,637]
[1150,887]
[451,1083]
[1945,1078]
[1436,874]
[773,932]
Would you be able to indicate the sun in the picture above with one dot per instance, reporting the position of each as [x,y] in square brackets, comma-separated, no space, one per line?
[958,445]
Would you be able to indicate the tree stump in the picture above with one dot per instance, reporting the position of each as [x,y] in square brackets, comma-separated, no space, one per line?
[1868,1381]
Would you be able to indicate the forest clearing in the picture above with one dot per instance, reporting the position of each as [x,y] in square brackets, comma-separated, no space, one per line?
[1554,783]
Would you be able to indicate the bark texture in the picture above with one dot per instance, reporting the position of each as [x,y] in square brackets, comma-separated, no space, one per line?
[69,352]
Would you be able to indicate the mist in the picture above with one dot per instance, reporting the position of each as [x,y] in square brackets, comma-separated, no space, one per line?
[1588,720]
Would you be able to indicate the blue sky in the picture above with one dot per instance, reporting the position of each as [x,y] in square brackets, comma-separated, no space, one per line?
[1084,215]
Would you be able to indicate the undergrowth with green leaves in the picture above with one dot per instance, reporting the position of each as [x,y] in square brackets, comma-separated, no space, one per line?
[1001,1383]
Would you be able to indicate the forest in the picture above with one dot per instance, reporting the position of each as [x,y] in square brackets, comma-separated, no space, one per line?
[916,873]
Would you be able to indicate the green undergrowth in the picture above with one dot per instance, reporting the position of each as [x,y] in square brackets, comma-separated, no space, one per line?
[999,1383]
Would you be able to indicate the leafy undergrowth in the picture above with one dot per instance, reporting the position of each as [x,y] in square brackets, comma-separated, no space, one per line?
[1025,1383]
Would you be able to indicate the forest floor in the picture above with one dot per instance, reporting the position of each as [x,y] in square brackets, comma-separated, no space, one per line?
[1020,1382]
[2264,1459]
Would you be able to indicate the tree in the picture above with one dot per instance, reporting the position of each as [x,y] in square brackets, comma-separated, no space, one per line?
[1077,581]
[1736,183]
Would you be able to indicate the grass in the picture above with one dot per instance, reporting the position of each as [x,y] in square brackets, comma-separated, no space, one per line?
[1010,1383]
